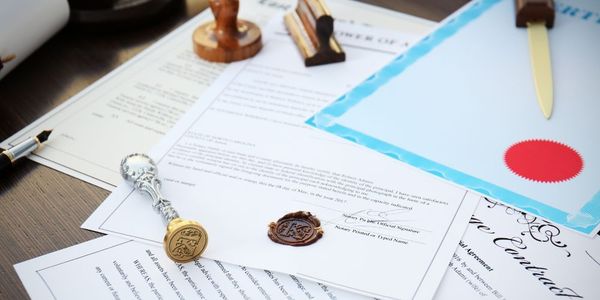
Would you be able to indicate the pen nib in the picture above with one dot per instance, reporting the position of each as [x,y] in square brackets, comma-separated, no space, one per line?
[43,136]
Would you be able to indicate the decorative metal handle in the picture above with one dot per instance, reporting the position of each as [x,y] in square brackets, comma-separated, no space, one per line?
[185,240]
[139,170]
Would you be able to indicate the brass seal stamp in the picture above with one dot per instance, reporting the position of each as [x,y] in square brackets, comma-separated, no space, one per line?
[300,228]
[185,240]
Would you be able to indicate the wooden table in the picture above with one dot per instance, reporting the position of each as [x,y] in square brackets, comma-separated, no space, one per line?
[41,209]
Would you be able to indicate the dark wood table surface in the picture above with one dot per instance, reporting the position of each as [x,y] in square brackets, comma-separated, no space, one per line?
[41,209]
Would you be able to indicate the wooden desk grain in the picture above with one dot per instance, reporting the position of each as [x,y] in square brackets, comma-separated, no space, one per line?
[41,209]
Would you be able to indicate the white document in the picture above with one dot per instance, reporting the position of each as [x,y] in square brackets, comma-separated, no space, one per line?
[243,157]
[542,262]
[506,254]
[132,107]
[114,268]
[26,25]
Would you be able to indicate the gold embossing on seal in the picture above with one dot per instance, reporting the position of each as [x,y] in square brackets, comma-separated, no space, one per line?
[300,228]
[185,240]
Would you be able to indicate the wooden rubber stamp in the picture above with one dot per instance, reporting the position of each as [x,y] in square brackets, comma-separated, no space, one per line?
[311,27]
[226,39]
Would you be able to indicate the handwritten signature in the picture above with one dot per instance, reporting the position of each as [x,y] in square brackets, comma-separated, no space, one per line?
[390,220]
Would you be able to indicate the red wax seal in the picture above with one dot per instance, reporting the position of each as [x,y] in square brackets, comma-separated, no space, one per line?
[300,228]
[543,161]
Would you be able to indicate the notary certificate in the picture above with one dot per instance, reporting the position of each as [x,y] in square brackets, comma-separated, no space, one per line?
[461,105]
[243,157]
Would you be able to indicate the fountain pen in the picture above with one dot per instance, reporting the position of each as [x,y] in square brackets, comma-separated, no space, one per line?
[24,148]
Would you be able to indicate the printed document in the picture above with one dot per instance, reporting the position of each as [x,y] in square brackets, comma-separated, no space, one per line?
[504,254]
[507,254]
[114,268]
[132,107]
[243,157]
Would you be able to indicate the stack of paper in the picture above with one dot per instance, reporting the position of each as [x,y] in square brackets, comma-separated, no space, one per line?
[243,157]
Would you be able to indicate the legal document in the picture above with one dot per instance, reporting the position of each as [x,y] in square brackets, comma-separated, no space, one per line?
[132,107]
[114,268]
[243,157]
[504,254]
[508,254]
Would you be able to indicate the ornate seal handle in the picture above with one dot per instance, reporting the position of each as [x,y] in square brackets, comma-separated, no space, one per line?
[185,240]
[141,172]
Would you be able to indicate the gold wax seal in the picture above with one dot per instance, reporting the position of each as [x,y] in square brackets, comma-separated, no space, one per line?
[299,228]
[185,240]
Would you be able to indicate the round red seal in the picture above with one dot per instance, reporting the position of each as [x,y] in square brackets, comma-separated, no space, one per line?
[543,161]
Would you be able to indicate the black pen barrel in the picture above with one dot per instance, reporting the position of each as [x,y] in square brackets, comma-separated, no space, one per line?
[5,162]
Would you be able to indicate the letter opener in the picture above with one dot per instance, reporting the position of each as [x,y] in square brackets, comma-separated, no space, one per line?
[537,16]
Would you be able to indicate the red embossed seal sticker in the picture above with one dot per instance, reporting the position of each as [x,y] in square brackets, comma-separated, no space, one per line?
[543,161]
[300,228]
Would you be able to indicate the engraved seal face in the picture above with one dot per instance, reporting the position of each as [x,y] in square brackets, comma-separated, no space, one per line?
[296,229]
[185,240]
